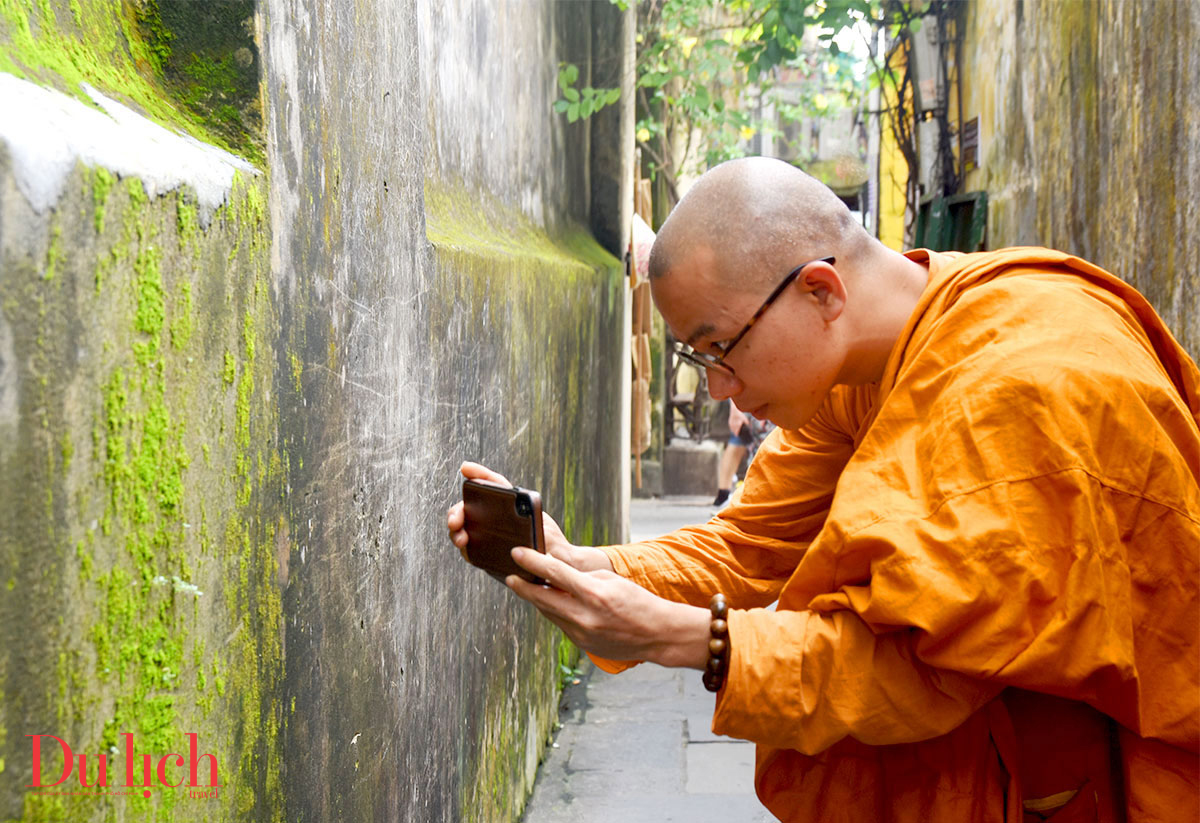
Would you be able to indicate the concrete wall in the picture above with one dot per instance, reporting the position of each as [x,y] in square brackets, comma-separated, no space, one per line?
[1089,121]
[231,412]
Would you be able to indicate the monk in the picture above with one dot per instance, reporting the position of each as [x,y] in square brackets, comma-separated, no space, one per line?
[980,517]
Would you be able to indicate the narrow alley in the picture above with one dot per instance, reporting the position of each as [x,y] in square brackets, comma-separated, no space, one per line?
[637,747]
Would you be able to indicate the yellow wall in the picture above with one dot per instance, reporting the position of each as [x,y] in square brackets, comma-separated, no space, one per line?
[893,171]
[1089,138]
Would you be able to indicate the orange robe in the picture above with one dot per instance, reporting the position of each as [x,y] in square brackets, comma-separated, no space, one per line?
[987,566]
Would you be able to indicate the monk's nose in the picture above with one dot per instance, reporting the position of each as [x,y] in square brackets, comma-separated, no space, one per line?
[722,384]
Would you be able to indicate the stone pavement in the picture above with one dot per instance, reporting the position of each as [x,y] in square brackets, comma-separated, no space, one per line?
[637,747]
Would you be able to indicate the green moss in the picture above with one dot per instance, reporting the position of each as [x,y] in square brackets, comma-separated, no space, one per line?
[248,335]
[156,38]
[508,723]
[569,504]
[102,184]
[153,470]
[579,243]
[245,390]
[297,372]
[151,302]
[86,564]
[186,221]
[133,227]
[139,623]
[459,219]
[182,323]
[138,198]
[206,56]
[568,662]
[54,254]
[67,449]
[128,51]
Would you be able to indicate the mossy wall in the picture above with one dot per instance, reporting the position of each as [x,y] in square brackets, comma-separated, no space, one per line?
[1089,122]
[227,449]
[144,493]
[442,302]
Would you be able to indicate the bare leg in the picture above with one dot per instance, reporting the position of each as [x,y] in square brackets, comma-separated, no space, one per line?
[731,458]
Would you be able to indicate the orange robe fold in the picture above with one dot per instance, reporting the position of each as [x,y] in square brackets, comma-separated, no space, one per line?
[987,566]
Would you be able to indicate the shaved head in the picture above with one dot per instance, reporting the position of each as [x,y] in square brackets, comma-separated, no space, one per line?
[722,259]
[757,216]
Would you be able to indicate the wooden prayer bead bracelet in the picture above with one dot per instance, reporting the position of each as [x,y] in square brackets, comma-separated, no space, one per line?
[718,644]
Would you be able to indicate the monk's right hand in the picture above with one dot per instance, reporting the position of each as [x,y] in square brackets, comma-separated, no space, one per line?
[583,558]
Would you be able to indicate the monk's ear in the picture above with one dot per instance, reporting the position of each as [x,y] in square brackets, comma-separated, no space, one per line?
[824,286]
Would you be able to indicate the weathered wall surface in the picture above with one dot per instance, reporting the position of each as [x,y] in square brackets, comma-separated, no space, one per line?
[228,440]
[1089,120]
[144,493]
[445,306]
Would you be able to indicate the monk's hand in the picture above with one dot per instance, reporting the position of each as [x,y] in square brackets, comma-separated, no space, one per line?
[609,616]
[584,558]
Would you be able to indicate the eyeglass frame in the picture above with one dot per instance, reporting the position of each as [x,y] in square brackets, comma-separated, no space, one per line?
[717,361]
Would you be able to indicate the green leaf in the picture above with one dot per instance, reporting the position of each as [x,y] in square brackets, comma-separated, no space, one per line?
[612,96]
[914,25]
[571,73]
[570,94]
[794,21]
[560,106]
[773,54]
[572,112]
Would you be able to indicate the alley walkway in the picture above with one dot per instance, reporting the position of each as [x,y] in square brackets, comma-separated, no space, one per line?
[637,747]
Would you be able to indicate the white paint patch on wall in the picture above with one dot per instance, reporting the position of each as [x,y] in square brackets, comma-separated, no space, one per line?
[47,132]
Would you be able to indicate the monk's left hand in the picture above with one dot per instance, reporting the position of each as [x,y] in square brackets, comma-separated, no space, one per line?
[611,617]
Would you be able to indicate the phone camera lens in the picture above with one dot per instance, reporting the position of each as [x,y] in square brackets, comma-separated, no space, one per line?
[523,507]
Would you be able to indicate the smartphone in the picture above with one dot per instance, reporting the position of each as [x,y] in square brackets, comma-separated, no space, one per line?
[497,519]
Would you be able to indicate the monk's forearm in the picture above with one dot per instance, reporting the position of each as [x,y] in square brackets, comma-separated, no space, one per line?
[681,636]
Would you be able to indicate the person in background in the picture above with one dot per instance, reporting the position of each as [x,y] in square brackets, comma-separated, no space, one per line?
[736,449]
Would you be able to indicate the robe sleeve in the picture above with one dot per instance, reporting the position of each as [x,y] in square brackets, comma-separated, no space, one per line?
[804,680]
[751,548]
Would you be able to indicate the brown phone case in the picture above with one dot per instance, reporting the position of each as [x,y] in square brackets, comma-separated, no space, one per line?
[497,519]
